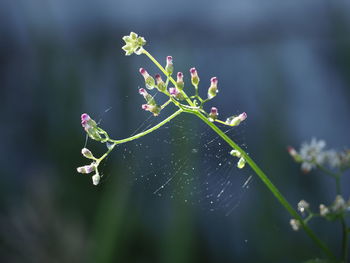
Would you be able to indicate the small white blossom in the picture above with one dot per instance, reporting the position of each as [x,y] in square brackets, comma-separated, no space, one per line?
[133,44]
[339,204]
[333,158]
[303,205]
[312,154]
[295,224]
[324,210]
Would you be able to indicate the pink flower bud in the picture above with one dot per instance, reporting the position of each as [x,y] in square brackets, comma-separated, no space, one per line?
[158,78]
[194,77]
[176,93]
[155,109]
[160,83]
[242,116]
[143,92]
[213,115]
[180,81]
[144,73]
[169,65]
[149,81]
[180,77]
[213,89]
[214,81]
[86,169]
[236,120]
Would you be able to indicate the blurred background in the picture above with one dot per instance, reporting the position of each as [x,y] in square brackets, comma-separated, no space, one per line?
[287,64]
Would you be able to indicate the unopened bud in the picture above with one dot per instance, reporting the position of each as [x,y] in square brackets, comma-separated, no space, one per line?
[295,224]
[147,96]
[213,89]
[175,92]
[236,153]
[169,65]
[241,163]
[90,127]
[87,153]
[149,80]
[194,77]
[180,81]
[236,120]
[155,109]
[96,179]
[213,115]
[160,83]
[86,169]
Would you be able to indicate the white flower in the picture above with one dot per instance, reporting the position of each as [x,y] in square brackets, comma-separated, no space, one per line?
[324,210]
[295,224]
[333,158]
[339,204]
[303,205]
[312,154]
[133,44]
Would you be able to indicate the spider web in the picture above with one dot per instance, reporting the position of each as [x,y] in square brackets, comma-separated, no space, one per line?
[185,159]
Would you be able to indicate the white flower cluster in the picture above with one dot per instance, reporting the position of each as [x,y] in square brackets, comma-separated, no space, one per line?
[313,154]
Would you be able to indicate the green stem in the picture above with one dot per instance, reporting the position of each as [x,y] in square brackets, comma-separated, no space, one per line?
[345,241]
[269,185]
[141,134]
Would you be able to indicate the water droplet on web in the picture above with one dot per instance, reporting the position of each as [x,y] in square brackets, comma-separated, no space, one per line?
[194,150]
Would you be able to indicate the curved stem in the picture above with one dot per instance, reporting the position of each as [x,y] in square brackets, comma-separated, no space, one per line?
[269,185]
[141,134]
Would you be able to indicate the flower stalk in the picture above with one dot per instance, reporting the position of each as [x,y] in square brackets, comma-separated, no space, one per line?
[134,44]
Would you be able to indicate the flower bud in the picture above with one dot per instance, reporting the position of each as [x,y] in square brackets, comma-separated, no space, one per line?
[155,109]
[147,96]
[241,163]
[180,81]
[160,83]
[303,205]
[87,153]
[169,65]
[176,93]
[96,179]
[86,169]
[149,80]
[194,77]
[295,224]
[90,127]
[213,89]
[236,120]
[324,211]
[213,115]
[236,153]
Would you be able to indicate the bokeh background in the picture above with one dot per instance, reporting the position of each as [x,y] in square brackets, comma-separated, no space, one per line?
[286,63]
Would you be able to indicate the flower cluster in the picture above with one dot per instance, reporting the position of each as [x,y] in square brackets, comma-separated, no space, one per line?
[90,168]
[313,154]
[332,212]
[96,133]
[133,44]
